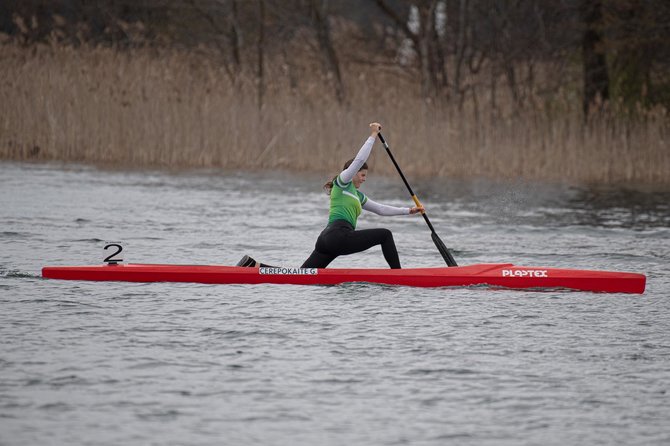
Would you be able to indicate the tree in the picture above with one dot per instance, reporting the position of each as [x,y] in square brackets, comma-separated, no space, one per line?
[322,28]
[596,78]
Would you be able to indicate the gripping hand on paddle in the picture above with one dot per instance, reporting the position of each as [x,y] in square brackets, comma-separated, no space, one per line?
[376,128]
[417,209]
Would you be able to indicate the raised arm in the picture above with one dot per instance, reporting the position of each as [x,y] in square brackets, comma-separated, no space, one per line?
[362,156]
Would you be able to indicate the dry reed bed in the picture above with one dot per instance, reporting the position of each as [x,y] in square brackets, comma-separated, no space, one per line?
[178,109]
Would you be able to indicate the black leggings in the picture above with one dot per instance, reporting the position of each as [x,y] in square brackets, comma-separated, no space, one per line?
[339,238]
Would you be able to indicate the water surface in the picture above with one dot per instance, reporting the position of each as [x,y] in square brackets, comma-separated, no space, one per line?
[126,363]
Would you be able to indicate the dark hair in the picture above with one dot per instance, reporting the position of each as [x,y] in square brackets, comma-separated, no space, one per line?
[328,187]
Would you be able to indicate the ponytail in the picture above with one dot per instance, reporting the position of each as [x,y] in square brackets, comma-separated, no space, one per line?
[328,186]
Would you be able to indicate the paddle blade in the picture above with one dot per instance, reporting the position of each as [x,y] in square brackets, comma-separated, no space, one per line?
[446,255]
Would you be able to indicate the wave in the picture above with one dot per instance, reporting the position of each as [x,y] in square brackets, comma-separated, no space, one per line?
[15,274]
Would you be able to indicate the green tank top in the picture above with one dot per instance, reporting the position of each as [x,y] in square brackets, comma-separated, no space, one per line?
[346,202]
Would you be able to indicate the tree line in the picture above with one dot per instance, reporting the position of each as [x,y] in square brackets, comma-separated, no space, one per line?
[612,54]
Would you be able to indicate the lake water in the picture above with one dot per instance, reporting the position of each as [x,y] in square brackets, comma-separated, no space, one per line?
[192,364]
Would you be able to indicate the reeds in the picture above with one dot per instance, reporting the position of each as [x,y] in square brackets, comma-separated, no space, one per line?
[175,108]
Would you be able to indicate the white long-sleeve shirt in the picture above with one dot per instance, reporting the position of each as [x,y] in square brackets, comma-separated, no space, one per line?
[348,174]
[384,209]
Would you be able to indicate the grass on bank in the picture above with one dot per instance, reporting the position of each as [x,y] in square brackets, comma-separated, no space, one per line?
[148,107]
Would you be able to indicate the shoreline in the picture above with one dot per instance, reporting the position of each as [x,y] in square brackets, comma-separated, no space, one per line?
[320,176]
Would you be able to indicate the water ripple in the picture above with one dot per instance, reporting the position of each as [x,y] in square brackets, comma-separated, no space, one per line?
[130,363]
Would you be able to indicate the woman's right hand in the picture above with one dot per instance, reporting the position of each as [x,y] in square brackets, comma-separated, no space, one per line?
[376,128]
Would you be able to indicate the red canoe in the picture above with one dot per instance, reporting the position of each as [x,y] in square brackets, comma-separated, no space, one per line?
[495,275]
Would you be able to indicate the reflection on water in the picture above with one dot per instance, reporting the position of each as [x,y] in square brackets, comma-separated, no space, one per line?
[622,208]
[551,205]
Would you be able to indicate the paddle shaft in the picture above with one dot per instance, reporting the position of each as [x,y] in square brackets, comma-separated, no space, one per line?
[436,239]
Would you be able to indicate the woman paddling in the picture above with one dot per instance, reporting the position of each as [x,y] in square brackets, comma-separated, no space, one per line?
[346,201]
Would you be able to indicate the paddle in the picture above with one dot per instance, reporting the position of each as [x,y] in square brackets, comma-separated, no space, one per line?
[446,255]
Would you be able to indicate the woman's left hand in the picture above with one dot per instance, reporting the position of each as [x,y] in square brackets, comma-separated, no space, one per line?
[376,128]
[416,209]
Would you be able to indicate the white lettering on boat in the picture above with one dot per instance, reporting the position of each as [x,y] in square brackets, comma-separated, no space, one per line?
[524,273]
[278,270]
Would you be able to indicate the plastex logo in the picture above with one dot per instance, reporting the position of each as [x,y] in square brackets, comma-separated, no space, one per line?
[524,273]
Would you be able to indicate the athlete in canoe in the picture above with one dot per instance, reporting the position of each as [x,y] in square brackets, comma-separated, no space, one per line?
[340,236]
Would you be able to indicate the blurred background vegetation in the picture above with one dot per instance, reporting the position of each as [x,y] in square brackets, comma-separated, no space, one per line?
[575,89]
